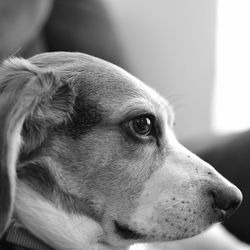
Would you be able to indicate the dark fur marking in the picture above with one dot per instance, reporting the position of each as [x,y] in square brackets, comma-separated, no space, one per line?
[86,115]
[5,199]
[4,183]
[41,180]
[38,177]
[158,133]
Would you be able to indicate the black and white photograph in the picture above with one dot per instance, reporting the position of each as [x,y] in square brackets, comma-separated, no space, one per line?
[124,124]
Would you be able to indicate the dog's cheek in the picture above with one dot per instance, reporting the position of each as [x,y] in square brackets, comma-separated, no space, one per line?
[114,171]
[102,166]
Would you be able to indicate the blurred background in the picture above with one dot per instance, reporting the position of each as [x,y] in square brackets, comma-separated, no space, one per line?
[196,53]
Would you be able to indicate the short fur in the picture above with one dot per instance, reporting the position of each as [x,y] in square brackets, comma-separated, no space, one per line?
[96,183]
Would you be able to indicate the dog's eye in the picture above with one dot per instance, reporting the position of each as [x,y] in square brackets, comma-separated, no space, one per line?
[141,126]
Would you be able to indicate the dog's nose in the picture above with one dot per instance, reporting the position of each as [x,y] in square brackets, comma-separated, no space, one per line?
[226,199]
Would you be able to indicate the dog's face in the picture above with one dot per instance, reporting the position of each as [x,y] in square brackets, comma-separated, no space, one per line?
[99,145]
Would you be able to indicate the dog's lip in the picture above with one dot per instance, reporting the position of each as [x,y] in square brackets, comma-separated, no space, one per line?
[126,233]
[222,215]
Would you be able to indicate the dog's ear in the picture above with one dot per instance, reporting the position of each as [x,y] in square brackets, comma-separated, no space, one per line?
[31,99]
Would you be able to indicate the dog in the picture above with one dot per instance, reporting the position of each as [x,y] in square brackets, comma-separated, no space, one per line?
[89,159]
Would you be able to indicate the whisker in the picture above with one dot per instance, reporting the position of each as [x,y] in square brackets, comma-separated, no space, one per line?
[172,99]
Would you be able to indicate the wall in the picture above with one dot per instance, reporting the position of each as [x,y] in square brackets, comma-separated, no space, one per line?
[170,45]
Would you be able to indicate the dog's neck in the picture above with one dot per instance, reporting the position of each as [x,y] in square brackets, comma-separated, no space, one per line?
[60,230]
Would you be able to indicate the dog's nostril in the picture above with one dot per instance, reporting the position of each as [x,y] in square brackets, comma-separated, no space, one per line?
[228,199]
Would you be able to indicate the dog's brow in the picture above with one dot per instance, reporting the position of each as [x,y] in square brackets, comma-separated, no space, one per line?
[133,107]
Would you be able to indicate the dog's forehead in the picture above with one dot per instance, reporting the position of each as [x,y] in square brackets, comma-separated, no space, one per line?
[106,84]
[116,91]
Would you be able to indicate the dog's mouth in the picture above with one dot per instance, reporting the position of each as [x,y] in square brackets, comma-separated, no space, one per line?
[127,233]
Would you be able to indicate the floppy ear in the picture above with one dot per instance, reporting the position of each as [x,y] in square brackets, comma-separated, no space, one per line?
[30,96]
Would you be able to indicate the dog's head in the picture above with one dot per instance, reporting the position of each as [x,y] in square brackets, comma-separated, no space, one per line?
[96,157]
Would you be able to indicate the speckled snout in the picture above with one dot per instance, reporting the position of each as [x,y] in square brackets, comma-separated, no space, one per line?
[221,195]
[183,198]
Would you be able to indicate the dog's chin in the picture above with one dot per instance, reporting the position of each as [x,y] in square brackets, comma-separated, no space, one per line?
[120,233]
[124,234]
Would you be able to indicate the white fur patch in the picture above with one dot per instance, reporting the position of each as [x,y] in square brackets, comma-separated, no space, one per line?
[13,144]
[54,226]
